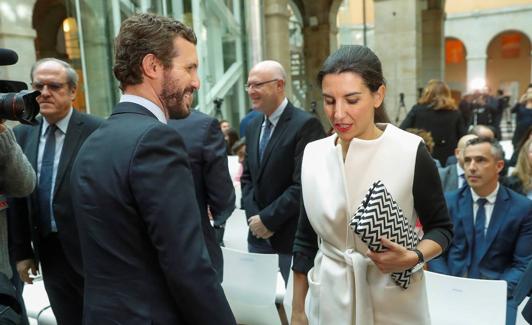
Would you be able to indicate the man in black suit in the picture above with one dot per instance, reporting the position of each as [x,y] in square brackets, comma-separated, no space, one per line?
[205,145]
[144,253]
[271,184]
[46,217]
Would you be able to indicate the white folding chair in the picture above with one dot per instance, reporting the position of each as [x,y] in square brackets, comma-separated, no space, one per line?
[463,301]
[236,231]
[37,303]
[287,299]
[249,284]
[520,320]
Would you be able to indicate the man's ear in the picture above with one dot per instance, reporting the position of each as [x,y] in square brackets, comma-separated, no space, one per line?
[151,66]
[499,164]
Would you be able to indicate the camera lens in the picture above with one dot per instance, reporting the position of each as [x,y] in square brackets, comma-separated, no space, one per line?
[21,106]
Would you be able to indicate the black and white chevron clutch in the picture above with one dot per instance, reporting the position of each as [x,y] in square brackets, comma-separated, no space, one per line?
[379,216]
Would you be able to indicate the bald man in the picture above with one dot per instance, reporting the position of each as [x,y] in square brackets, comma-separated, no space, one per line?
[271,182]
[452,176]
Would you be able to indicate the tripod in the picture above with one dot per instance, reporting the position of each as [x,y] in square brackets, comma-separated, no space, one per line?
[402,107]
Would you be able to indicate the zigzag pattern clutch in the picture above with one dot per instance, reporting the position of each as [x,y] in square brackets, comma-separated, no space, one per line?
[379,216]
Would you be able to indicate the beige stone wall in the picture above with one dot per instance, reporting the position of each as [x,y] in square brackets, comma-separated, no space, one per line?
[460,6]
[17,34]
[351,14]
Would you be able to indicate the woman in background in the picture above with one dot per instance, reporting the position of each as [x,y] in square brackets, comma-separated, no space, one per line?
[520,180]
[437,113]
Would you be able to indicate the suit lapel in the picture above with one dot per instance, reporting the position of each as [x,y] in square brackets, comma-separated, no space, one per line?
[502,204]
[466,215]
[277,135]
[252,144]
[32,145]
[72,139]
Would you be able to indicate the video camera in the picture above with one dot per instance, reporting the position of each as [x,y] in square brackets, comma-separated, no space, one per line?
[16,102]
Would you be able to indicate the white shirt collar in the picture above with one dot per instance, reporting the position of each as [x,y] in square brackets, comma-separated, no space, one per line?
[62,124]
[492,197]
[276,115]
[147,104]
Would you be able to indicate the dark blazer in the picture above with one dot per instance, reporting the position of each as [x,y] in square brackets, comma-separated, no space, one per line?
[449,178]
[446,127]
[206,148]
[24,224]
[508,240]
[272,189]
[523,289]
[143,250]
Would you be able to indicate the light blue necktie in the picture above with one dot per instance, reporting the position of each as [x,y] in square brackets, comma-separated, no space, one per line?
[265,138]
[44,188]
[480,238]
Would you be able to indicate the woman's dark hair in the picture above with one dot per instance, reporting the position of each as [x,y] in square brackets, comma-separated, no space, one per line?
[362,61]
[231,136]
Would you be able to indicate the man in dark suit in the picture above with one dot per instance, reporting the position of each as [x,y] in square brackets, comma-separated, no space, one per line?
[452,176]
[271,184]
[144,253]
[492,224]
[205,145]
[46,217]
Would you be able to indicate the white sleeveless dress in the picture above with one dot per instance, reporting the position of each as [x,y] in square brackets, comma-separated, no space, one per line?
[345,287]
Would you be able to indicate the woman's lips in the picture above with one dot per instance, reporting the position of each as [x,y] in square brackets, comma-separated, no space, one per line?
[342,127]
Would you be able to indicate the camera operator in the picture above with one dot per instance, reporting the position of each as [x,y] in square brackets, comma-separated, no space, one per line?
[17,179]
[483,108]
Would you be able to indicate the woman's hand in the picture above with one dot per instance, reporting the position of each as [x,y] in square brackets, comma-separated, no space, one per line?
[396,259]
[299,318]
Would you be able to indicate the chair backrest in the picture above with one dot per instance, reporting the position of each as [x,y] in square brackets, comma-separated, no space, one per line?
[457,301]
[287,299]
[249,284]
[236,231]
[520,320]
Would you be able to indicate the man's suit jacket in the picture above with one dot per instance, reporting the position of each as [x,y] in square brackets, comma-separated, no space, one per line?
[272,188]
[449,178]
[206,148]
[144,254]
[508,248]
[24,220]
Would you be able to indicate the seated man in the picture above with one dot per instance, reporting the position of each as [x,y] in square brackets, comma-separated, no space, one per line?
[492,224]
[452,176]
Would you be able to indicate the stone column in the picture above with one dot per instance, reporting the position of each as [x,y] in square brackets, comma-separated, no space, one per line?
[476,69]
[276,18]
[398,45]
[17,34]
[433,45]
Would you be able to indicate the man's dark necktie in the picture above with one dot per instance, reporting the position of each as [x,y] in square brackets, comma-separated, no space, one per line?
[45,182]
[265,138]
[479,239]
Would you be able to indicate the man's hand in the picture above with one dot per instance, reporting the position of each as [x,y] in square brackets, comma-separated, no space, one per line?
[23,268]
[258,229]
[2,126]
[396,259]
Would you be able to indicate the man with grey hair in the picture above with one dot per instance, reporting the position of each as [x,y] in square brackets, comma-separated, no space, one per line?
[453,176]
[43,226]
[271,184]
[492,224]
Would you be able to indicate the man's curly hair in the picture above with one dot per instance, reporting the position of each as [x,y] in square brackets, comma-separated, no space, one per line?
[141,35]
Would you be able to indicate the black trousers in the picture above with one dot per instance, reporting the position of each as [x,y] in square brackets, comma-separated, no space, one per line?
[63,284]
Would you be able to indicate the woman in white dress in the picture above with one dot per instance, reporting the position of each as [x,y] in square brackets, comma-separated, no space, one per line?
[337,279]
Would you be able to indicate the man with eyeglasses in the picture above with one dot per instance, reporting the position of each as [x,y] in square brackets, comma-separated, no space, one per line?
[45,218]
[271,184]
